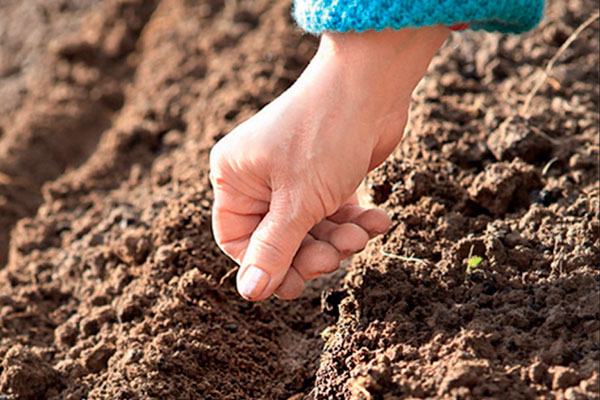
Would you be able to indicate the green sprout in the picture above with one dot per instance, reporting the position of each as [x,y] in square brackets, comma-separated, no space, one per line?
[475,261]
[473,264]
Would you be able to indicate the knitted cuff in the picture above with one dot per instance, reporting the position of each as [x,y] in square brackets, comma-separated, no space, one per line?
[507,16]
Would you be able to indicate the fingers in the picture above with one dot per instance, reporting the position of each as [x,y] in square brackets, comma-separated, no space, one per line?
[313,259]
[349,229]
[234,218]
[232,231]
[270,250]
[337,241]
[323,229]
[346,214]
[291,287]
[316,258]
[265,245]
[374,221]
[348,239]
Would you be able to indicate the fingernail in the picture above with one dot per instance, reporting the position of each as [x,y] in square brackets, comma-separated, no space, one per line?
[253,282]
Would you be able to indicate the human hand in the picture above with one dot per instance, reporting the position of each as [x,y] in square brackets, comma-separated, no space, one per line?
[285,207]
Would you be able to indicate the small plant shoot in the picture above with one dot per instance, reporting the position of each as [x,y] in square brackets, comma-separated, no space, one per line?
[474,262]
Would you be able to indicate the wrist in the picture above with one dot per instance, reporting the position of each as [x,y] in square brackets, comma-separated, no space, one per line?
[374,73]
[387,43]
[395,59]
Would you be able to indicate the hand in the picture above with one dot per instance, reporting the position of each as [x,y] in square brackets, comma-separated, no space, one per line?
[284,181]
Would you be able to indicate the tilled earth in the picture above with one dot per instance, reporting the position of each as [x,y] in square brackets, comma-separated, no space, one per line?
[111,287]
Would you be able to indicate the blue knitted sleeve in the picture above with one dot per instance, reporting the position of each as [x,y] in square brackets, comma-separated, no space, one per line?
[317,16]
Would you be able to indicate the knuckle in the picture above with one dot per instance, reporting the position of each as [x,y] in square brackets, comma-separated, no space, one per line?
[299,210]
[217,165]
[328,200]
[266,248]
[216,155]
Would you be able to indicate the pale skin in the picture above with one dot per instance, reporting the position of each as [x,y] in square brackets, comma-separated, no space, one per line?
[285,180]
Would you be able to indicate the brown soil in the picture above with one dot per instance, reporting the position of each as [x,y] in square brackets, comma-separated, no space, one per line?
[112,287]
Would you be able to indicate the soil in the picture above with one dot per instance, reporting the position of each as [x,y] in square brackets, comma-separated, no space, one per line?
[111,286]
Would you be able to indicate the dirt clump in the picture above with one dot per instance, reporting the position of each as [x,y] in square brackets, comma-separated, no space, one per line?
[27,375]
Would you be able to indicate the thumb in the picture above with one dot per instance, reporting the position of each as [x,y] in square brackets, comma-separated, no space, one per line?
[271,249]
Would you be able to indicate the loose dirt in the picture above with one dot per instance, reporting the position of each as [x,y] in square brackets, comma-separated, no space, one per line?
[111,286]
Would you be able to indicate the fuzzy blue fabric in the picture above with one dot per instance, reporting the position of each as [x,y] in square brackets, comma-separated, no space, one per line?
[507,16]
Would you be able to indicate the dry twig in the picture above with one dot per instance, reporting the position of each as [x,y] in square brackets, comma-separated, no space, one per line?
[228,275]
[547,167]
[544,135]
[548,69]
[404,258]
